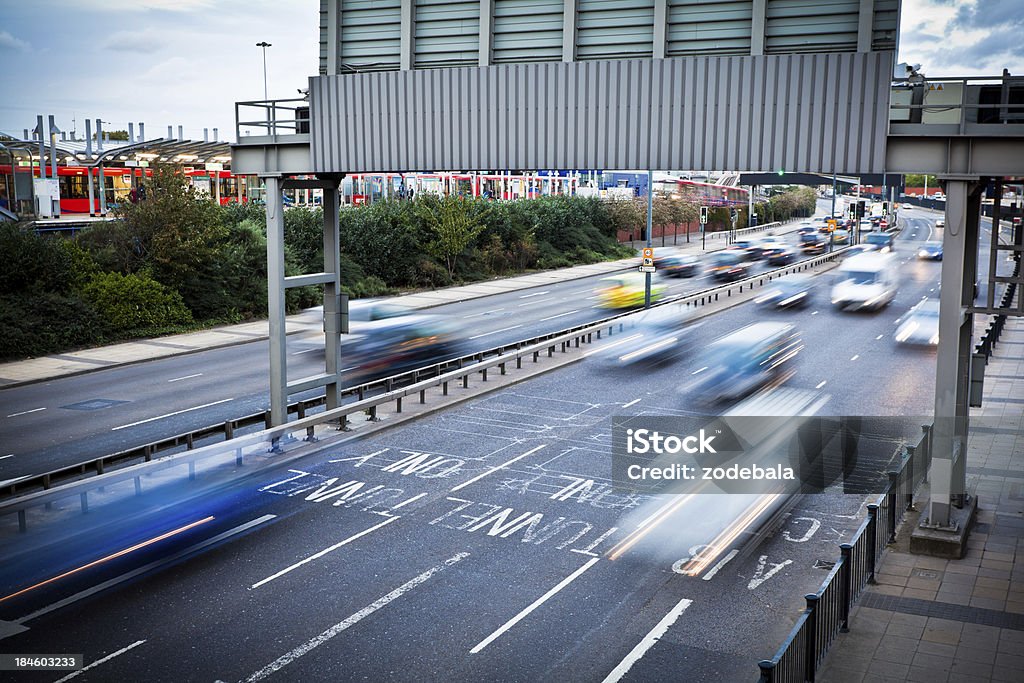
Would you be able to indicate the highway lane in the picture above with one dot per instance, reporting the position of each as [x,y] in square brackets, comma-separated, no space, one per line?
[65,421]
[483,554]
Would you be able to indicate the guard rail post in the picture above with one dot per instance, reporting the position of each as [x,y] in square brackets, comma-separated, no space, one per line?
[892,494]
[812,635]
[872,539]
[846,576]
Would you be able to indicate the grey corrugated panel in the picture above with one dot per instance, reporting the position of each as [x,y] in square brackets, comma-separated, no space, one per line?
[527,30]
[714,113]
[446,33]
[709,27]
[606,28]
[811,25]
[885,24]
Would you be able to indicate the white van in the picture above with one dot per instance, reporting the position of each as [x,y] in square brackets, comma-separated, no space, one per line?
[868,280]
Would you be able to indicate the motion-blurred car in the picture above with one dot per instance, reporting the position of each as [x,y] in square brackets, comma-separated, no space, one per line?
[377,310]
[805,229]
[920,327]
[940,223]
[882,241]
[781,255]
[812,243]
[866,281]
[751,248]
[930,251]
[728,265]
[792,291]
[627,291]
[678,265]
[752,357]
[400,343]
[658,334]
[841,237]
[859,249]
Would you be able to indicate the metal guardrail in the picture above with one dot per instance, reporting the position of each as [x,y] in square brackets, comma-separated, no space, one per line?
[828,610]
[277,117]
[998,322]
[437,375]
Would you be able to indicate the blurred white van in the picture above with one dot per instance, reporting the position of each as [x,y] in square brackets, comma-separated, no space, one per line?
[869,280]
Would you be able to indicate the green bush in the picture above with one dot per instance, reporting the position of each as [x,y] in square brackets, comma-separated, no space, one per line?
[134,302]
[33,263]
[38,323]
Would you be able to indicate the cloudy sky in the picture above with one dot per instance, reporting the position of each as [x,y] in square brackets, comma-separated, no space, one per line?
[185,62]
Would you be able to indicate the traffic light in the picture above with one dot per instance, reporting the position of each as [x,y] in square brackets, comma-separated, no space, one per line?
[703,215]
[782,171]
[885,207]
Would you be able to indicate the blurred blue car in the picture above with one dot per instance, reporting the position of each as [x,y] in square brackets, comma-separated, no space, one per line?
[930,251]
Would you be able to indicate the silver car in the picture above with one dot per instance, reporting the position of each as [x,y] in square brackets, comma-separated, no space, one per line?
[920,327]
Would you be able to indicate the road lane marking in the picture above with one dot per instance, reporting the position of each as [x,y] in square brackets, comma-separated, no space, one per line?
[697,372]
[26,412]
[112,556]
[536,603]
[147,568]
[486,334]
[650,639]
[721,563]
[855,356]
[177,412]
[316,556]
[473,315]
[406,502]
[527,296]
[100,661]
[814,313]
[879,337]
[538,301]
[199,374]
[552,317]
[11,455]
[632,403]
[299,353]
[821,384]
[499,467]
[309,645]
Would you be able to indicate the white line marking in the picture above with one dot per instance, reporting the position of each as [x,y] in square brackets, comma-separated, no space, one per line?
[316,556]
[721,563]
[499,467]
[650,639]
[552,317]
[26,412]
[286,659]
[504,329]
[100,661]
[406,502]
[536,603]
[821,384]
[198,374]
[146,568]
[879,337]
[473,315]
[527,296]
[855,356]
[11,455]
[538,301]
[814,313]
[177,412]
[299,353]
[697,372]
[632,403]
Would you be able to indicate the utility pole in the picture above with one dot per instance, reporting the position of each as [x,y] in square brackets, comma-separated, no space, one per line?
[264,44]
[650,221]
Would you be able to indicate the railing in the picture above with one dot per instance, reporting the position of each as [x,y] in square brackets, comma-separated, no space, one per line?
[944,104]
[272,117]
[998,322]
[395,390]
[828,610]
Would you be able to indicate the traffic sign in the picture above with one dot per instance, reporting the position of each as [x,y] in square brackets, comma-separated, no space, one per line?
[648,252]
[647,269]
[703,215]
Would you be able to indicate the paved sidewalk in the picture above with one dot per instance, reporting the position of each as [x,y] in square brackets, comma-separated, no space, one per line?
[935,620]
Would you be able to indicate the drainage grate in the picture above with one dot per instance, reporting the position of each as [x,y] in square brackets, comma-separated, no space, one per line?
[93,404]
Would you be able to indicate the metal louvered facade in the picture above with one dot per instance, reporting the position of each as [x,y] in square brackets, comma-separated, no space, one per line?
[801,112]
[446,33]
[527,31]
[811,26]
[607,29]
[710,27]
[371,34]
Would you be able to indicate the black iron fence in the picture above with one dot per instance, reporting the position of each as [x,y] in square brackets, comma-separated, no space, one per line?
[828,610]
[998,322]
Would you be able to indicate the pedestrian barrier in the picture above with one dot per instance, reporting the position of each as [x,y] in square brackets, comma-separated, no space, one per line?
[828,610]
[998,322]
[364,398]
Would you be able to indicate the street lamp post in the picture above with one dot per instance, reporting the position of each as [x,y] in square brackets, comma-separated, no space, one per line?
[264,44]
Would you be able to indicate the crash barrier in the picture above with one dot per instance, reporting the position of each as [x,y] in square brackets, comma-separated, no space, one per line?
[828,610]
[998,322]
[396,388]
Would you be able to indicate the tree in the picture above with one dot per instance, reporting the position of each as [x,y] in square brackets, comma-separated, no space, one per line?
[455,225]
[121,135]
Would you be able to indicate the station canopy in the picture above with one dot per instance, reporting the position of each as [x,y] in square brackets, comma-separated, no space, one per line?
[121,153]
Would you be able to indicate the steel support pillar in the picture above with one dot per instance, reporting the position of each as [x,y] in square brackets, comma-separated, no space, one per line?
[952,380]
[276,301]
[332,290]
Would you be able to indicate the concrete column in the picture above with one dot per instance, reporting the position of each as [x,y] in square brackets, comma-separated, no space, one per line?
[103,192]
[92,195]
[952,380]
[276,302]
[332,264]
[486,31]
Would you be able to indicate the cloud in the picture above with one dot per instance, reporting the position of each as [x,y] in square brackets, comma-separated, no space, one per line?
[9,42]
[185,6]
[146,41]
[993,51]
[985,14]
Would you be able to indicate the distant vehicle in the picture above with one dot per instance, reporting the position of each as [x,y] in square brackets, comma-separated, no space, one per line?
[866,281]
[678,265]
[940,223]
[753,248]
[752,357]
[880,240]
[728,265]
[792,291]
[782,255]
[813,244]
[394,345]
[930,251]
[920,327]
[939,195]
[859,249]
[658,334]
[841,237]
[627,291]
